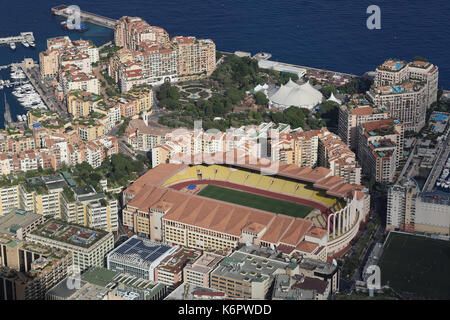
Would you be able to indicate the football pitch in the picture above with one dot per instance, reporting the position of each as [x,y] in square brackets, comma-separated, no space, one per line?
[255,201]
[416,267]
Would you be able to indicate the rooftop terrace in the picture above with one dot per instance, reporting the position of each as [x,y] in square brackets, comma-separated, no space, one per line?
[69,233]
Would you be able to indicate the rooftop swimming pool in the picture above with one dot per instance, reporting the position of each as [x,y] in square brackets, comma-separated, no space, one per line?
[397,90]
[397,66]
[439,117]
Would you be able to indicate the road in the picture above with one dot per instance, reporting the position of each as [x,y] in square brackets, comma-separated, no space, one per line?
[46,92]
[121,142]
[157,112]
[439,164]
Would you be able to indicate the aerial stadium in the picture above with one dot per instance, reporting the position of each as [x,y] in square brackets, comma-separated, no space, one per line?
[307,212]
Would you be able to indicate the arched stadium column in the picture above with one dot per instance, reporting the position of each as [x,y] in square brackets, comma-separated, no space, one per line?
[328,224]
[344,221]
[347,219]
[334,225]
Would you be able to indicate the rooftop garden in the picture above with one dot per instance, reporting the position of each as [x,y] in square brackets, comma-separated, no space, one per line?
[65,232]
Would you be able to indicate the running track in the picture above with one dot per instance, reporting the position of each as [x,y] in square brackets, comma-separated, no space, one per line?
[265,193]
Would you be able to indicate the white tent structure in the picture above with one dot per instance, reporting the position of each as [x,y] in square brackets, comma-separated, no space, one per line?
[334,99]
[293,94]
[262,88]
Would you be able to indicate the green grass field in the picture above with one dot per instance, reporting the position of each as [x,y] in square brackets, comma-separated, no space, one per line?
[255,201]
[416,266]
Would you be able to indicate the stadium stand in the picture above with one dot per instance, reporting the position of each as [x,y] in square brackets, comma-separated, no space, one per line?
[238,176]
[253,180]
[277,185]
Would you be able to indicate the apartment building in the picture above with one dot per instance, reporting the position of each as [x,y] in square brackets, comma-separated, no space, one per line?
[130,74]
[8,199]
[401,205]
[159,62]
[87,47]
[333,153]
[408,102]
[19,223]
[84,206]
[196,57]
[72,78]
[156,57]
[121,57]
[381,148]
[170,269]
[81,103]
[407,90]
[351,117]
[143,137]
[88,247]
[299,287]
[248,272]
[130,32]
[410,210]
[49,63]
[29,270]
[88,129]
[428,73]
[103,284]
[61,42]
[198,272]
[73,57]
[112,115]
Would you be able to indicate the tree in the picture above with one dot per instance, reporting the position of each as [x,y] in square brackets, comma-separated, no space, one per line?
[261,99]
[327,91]
[286,76]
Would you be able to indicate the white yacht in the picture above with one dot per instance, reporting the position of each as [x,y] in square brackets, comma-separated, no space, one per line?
[12,45]
[25,43]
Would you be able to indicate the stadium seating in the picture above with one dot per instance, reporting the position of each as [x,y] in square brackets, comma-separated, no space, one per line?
[238,176]
[207,172]
[189,173]
[265,182]
[173,179]
[325,200]
[302,192]
[253,180]
[289,188]
[221,173]
[277,185]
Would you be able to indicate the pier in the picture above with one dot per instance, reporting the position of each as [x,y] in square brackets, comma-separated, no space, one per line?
[109,23]
[24,36]
[7,114]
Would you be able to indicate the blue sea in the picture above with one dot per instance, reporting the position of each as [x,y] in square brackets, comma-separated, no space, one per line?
[329,34]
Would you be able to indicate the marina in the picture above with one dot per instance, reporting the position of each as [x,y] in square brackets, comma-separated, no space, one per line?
[26,38]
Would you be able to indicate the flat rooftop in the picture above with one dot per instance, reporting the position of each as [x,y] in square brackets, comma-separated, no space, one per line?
[188,291]
[250,263]
[16,219]
[69,233]
[140,248]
